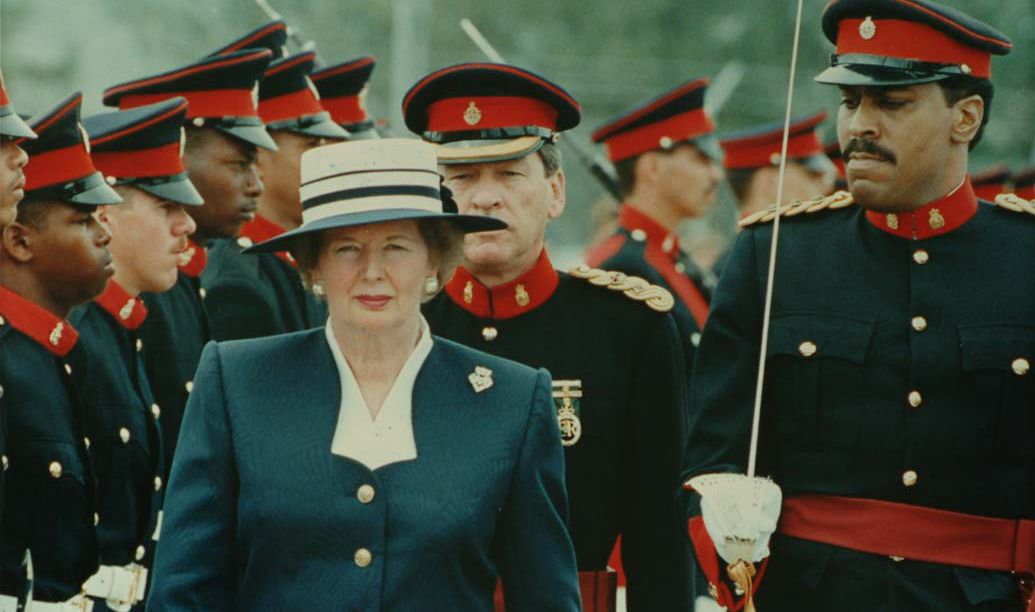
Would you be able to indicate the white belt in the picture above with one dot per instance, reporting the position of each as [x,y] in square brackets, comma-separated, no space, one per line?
[76,604]
[119,587]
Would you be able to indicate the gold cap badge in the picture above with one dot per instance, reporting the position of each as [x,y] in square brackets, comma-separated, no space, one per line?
[867,29]
[473,114]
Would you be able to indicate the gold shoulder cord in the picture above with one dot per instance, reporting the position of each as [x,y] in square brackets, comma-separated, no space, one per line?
[840,199]
[1013,202]
[657,298]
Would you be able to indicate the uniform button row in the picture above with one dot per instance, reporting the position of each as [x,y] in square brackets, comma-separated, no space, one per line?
[363,557]
[921,256]
[909,477]
[1020,366]
[919,323]
[915,399]
[365,494]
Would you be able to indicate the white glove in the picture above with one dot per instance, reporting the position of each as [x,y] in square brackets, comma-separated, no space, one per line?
[739,513]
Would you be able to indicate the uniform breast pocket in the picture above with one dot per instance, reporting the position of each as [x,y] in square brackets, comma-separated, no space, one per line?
[814,375]
[996,360]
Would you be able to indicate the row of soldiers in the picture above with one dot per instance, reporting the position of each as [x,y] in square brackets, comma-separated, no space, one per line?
[125,258]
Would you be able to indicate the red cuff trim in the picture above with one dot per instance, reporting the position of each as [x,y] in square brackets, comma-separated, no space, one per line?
[911,40]
[58,166]
[483,113]
[651,137]
[128,310]
[213,103]
[159,161]
[709,561]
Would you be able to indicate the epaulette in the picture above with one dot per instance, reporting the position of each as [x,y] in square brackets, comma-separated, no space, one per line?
[1012,201]
[657,298]
[840,199]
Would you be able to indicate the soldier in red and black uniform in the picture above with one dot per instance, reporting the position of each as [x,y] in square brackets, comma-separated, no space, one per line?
[223,129]
[12,189]
[668,166]
[139,153]
[248,296]
[53,257]
[619,377]
[897,410]
[343,93]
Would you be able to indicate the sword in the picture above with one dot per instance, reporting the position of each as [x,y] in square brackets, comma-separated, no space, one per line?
[600,169]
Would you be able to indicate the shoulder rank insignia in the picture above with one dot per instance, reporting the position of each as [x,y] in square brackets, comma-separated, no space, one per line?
[1015,203]
[657,298]
[567,395]
[840,199]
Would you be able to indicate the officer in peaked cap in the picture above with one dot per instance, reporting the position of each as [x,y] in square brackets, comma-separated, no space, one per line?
[223,132]
[343,92]
[669,168]
[262,294]
[619,395]
[752,160]
[992,181]
[898,384]
[54,257]
[12,157]
[139,152]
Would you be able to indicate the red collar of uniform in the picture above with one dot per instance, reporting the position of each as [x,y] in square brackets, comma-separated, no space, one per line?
[193,259]
[933,219]
[51,332]
[523,294]
[642,227]
[128,310]
[261,229]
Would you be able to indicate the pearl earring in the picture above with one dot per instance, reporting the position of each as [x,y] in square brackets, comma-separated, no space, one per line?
[318,289]
[430,285]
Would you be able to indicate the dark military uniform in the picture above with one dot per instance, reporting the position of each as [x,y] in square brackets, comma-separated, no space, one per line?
[618,367]
[642,247]
[248,296]
[51,504]
[899,371]
[122,424]
[174,334]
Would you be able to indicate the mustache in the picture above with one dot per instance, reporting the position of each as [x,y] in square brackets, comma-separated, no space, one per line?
[857,145]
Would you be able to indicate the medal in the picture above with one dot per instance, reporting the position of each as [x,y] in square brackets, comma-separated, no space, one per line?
[566,397]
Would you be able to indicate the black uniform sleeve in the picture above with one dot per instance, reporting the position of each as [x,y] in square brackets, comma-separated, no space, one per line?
[654,549]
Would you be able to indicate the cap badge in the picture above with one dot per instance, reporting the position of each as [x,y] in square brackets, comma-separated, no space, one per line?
[566,397]
[55,335]
[481,378]
[521,296]
[892,220]
[126,310]
[935,219]
[867,29]
[473,114]
[468,292]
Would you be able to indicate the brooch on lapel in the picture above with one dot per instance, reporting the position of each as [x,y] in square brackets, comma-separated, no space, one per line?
[481,378]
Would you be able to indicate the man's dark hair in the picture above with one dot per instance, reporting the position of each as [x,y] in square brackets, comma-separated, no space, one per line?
[626,171]
[956,88]
[34,213]
[551,156]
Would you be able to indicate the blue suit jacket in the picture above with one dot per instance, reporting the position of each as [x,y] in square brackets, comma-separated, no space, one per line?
[260,515]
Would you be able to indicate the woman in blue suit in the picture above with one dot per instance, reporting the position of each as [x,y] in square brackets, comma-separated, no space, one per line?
[367,465]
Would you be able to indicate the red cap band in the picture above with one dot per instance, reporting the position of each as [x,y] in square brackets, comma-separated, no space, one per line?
[755,155]
[212,103]
[345,109]
[58,166]
[289,106]
[912,41]
[677,128]
[463,114]
[159,161]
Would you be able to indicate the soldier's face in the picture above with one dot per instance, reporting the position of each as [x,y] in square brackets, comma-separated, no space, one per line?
[373,275]
[519,193]
[12,178]
[281,172]
[688,180]
[898,145]
[68,250]
[148,236]
[225,173]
